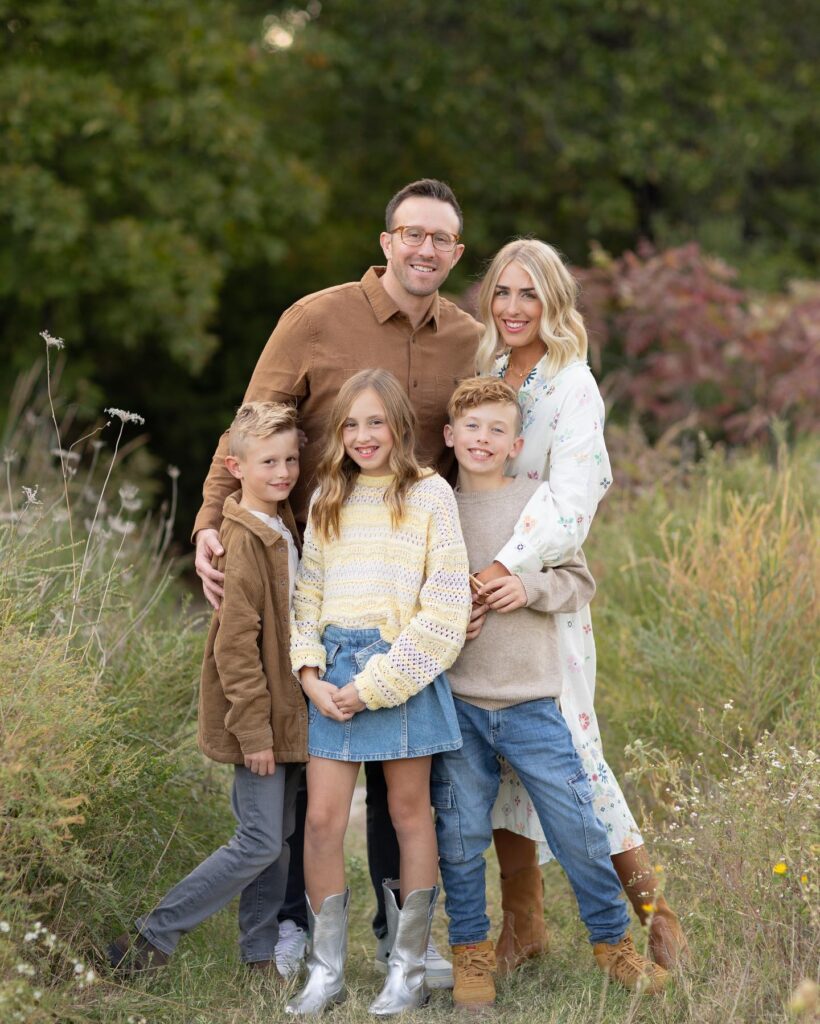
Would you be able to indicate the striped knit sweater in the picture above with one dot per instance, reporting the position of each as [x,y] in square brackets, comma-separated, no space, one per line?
[409,583]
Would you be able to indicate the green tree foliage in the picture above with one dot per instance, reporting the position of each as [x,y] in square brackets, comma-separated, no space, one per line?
[136,172]
[575,120]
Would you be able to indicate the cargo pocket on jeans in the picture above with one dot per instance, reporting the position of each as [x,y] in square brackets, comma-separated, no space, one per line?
[594,832]
[448,823]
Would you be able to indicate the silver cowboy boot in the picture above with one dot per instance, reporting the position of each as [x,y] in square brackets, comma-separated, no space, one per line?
[325,962]
[405,988]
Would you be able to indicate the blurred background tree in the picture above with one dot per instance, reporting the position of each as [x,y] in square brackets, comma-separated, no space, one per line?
[173,175]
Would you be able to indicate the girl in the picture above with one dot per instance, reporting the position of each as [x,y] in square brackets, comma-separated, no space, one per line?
[527,303]
[381,610]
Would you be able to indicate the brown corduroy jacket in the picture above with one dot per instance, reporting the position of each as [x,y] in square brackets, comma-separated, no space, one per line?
[249,699]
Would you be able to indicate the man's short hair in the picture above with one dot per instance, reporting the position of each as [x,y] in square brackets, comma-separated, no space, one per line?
[427,188]
[259,420]
[475,391]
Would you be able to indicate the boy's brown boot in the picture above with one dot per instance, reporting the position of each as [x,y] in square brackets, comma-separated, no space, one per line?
[667,943]
[473,967]
[623,963]
[523,932]
[131,956]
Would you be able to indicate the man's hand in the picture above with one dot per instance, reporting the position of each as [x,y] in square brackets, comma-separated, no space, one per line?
[478,613]
[261,763]
[504,594]
[321,694]
[207,545]
[303,438]
[348,701]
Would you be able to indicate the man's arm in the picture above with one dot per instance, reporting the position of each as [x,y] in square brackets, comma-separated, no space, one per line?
[281,375]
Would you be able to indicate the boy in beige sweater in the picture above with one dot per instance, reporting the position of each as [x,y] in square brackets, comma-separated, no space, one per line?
[506,685]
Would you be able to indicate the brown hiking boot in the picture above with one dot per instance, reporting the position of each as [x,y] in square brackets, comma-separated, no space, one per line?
[523,932]
[127,956]
[623,963]
[667,943]
[473,967]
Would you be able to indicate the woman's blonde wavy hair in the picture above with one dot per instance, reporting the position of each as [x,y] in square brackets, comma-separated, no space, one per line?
[337,472]
[562,326]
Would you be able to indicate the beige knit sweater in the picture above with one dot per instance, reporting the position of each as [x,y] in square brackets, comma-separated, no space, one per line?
[515,658]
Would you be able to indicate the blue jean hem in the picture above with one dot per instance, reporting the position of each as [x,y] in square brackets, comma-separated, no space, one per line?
[415,752]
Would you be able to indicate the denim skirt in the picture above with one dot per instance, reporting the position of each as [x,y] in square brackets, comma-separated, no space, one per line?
[426,724]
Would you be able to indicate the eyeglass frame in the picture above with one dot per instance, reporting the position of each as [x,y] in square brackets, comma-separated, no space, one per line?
[431,234]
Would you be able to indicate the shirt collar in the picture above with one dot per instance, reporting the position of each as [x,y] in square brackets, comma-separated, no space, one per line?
[383,305]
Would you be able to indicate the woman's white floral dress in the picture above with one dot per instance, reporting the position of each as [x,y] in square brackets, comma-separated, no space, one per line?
[563,423]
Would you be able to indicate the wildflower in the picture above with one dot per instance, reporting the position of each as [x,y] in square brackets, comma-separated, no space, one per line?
[51,341]
[125,417]
[659,869]
[648,908]
[25,969]
[729,705]
[780,868]
[9,456]
[63,453]
[31,495]
[36,995]
[128,497]
[120,525]
[173,472]
[30,936]
[804,878]
[5,927]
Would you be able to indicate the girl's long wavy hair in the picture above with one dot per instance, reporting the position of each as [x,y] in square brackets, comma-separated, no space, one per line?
[562,326]
[337,472]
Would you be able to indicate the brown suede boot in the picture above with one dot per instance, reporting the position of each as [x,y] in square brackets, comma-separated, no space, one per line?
[473,983]
[523,932]
[624,964]
[667,943]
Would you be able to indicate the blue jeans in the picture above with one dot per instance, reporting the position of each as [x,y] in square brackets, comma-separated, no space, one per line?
[253,865]
[534,738]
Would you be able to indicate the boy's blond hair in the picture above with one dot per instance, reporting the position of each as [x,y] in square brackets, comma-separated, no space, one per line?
[259,420]
[477,391]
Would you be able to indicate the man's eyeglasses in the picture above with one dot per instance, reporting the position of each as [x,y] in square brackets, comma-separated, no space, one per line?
[416,236]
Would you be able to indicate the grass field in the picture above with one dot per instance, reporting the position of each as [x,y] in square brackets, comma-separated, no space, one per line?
[706,621]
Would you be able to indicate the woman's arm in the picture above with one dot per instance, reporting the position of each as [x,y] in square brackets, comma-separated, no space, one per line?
[556,520]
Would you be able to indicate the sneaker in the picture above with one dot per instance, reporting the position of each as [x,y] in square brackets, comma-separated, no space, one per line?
[623,963]
[290,949]
[132,956]
[474,985]
[438,972]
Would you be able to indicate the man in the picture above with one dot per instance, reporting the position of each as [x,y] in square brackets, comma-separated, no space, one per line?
[393,318]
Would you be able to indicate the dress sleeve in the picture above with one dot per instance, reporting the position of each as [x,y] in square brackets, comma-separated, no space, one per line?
[556,520]
[306,648]
[280,375]
[432,639]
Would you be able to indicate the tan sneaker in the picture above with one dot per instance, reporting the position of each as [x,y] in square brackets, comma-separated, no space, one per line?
[623,963]
[473,967]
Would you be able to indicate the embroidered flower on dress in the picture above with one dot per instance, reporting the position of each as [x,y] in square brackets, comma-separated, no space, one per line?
[583,720]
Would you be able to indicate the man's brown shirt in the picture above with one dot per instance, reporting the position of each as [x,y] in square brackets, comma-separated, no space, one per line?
[328,336]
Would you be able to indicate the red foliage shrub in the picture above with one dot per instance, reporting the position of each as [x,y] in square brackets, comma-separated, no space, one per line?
[674,338]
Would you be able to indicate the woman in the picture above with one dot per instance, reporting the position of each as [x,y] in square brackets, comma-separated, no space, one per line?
[535,340]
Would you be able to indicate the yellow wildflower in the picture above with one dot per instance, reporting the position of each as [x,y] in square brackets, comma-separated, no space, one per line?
[780,868]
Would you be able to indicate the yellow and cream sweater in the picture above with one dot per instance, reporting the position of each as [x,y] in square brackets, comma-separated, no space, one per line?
[410,583]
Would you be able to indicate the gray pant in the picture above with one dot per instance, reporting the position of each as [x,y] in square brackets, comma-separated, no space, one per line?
[253,863]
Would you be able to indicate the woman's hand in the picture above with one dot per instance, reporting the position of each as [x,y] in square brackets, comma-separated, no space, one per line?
[321,694]
[348,701]
[505,594]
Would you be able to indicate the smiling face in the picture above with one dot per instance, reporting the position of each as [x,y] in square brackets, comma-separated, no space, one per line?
[420,270]
[366,435]
[483,439]
[268,468]
[517,310]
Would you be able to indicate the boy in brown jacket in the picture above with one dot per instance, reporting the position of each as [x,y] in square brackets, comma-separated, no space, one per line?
[252,713]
